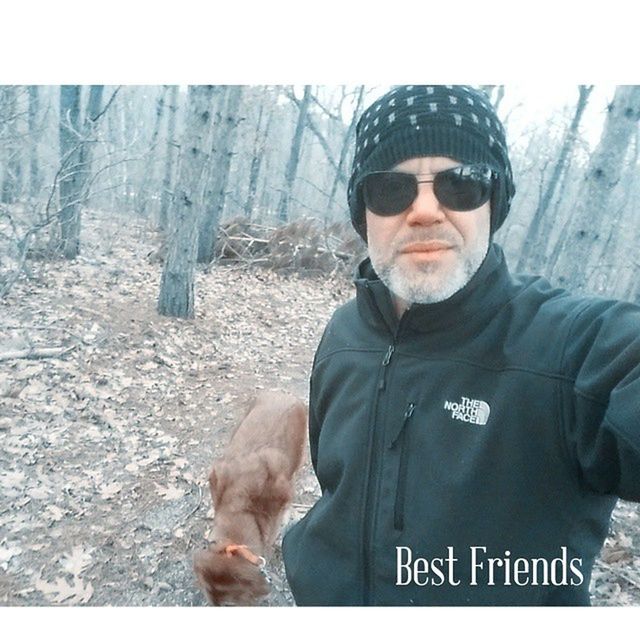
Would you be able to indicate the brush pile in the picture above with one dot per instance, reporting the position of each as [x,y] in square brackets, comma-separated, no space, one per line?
[302,246]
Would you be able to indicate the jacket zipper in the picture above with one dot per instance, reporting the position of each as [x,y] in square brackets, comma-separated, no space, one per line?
[371,491]
[398,509]
[385,363]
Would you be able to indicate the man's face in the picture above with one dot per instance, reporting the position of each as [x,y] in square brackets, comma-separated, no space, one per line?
[427,253]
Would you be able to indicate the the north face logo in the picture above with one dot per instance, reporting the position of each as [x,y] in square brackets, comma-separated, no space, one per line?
[469,410]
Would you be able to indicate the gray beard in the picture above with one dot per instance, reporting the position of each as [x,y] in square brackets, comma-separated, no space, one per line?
[427,283]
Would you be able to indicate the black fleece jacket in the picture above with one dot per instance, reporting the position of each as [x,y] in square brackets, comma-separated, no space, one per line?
[472,452]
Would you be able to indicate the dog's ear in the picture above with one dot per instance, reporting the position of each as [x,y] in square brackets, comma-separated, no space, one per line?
[282,490]
[274,495]
[219,480]
[213,482]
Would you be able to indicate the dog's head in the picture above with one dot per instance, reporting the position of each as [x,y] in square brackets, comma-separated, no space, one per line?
[229,579]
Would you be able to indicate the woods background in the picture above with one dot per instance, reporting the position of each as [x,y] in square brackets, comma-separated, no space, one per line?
[191,159]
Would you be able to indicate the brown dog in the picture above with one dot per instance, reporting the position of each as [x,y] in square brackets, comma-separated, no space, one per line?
[251,487]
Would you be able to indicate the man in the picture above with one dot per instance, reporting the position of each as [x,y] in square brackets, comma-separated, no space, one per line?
[470,430]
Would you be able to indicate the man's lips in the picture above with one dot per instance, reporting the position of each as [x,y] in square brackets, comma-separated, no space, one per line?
[426,247]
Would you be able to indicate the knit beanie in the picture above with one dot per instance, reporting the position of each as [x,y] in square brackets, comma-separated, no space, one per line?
[437,120]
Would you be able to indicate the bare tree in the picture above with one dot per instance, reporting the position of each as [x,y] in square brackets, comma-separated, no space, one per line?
[224,135]
[534,237]
[165,198]
[346,146]
[75,158]
[142,192]
[615,255]
[35,179]
[176,296]
[12,179]
[116,142]
[89,129]
[294,155]
[70,160]
[571,258]
[129,129]
[259,145]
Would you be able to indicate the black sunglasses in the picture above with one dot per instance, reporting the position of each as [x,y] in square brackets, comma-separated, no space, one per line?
[464,188]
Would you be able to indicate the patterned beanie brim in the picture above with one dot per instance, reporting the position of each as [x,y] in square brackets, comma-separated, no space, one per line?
[437,120]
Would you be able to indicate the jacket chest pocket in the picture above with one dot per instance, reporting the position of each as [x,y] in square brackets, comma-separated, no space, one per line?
[400,440]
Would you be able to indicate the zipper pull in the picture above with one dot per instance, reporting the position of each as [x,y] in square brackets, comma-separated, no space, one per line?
[385,362]
[407,416]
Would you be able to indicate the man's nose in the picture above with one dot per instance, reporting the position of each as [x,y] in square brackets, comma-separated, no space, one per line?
[425,209]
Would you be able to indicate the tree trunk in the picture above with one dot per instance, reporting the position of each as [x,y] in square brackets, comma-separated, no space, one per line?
[259,146]
[35,180]
[535,235]
[70,178]
[224,136]
[115,142]
[294,156]
[616,256]
[166,196]
[75,159]
[89,130]
[129,123]
[347,143]
[142,193]
[176,296]
[593,213]
[12,180]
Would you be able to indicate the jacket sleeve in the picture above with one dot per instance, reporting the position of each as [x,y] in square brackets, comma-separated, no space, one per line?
[314,435]
[315,424]
[602,397]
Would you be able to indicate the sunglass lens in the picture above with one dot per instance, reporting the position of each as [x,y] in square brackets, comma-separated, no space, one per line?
[463,188]
[389,193]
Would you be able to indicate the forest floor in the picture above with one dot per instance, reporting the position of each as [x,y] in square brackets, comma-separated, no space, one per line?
[105,447]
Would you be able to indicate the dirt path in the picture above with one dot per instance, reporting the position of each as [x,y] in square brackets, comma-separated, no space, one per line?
[105,450]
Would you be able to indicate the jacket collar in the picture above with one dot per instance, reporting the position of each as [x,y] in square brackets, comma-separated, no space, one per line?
[474,305]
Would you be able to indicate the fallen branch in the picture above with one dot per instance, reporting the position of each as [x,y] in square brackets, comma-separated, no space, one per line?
[36,353]
[88,343]
[184,520]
